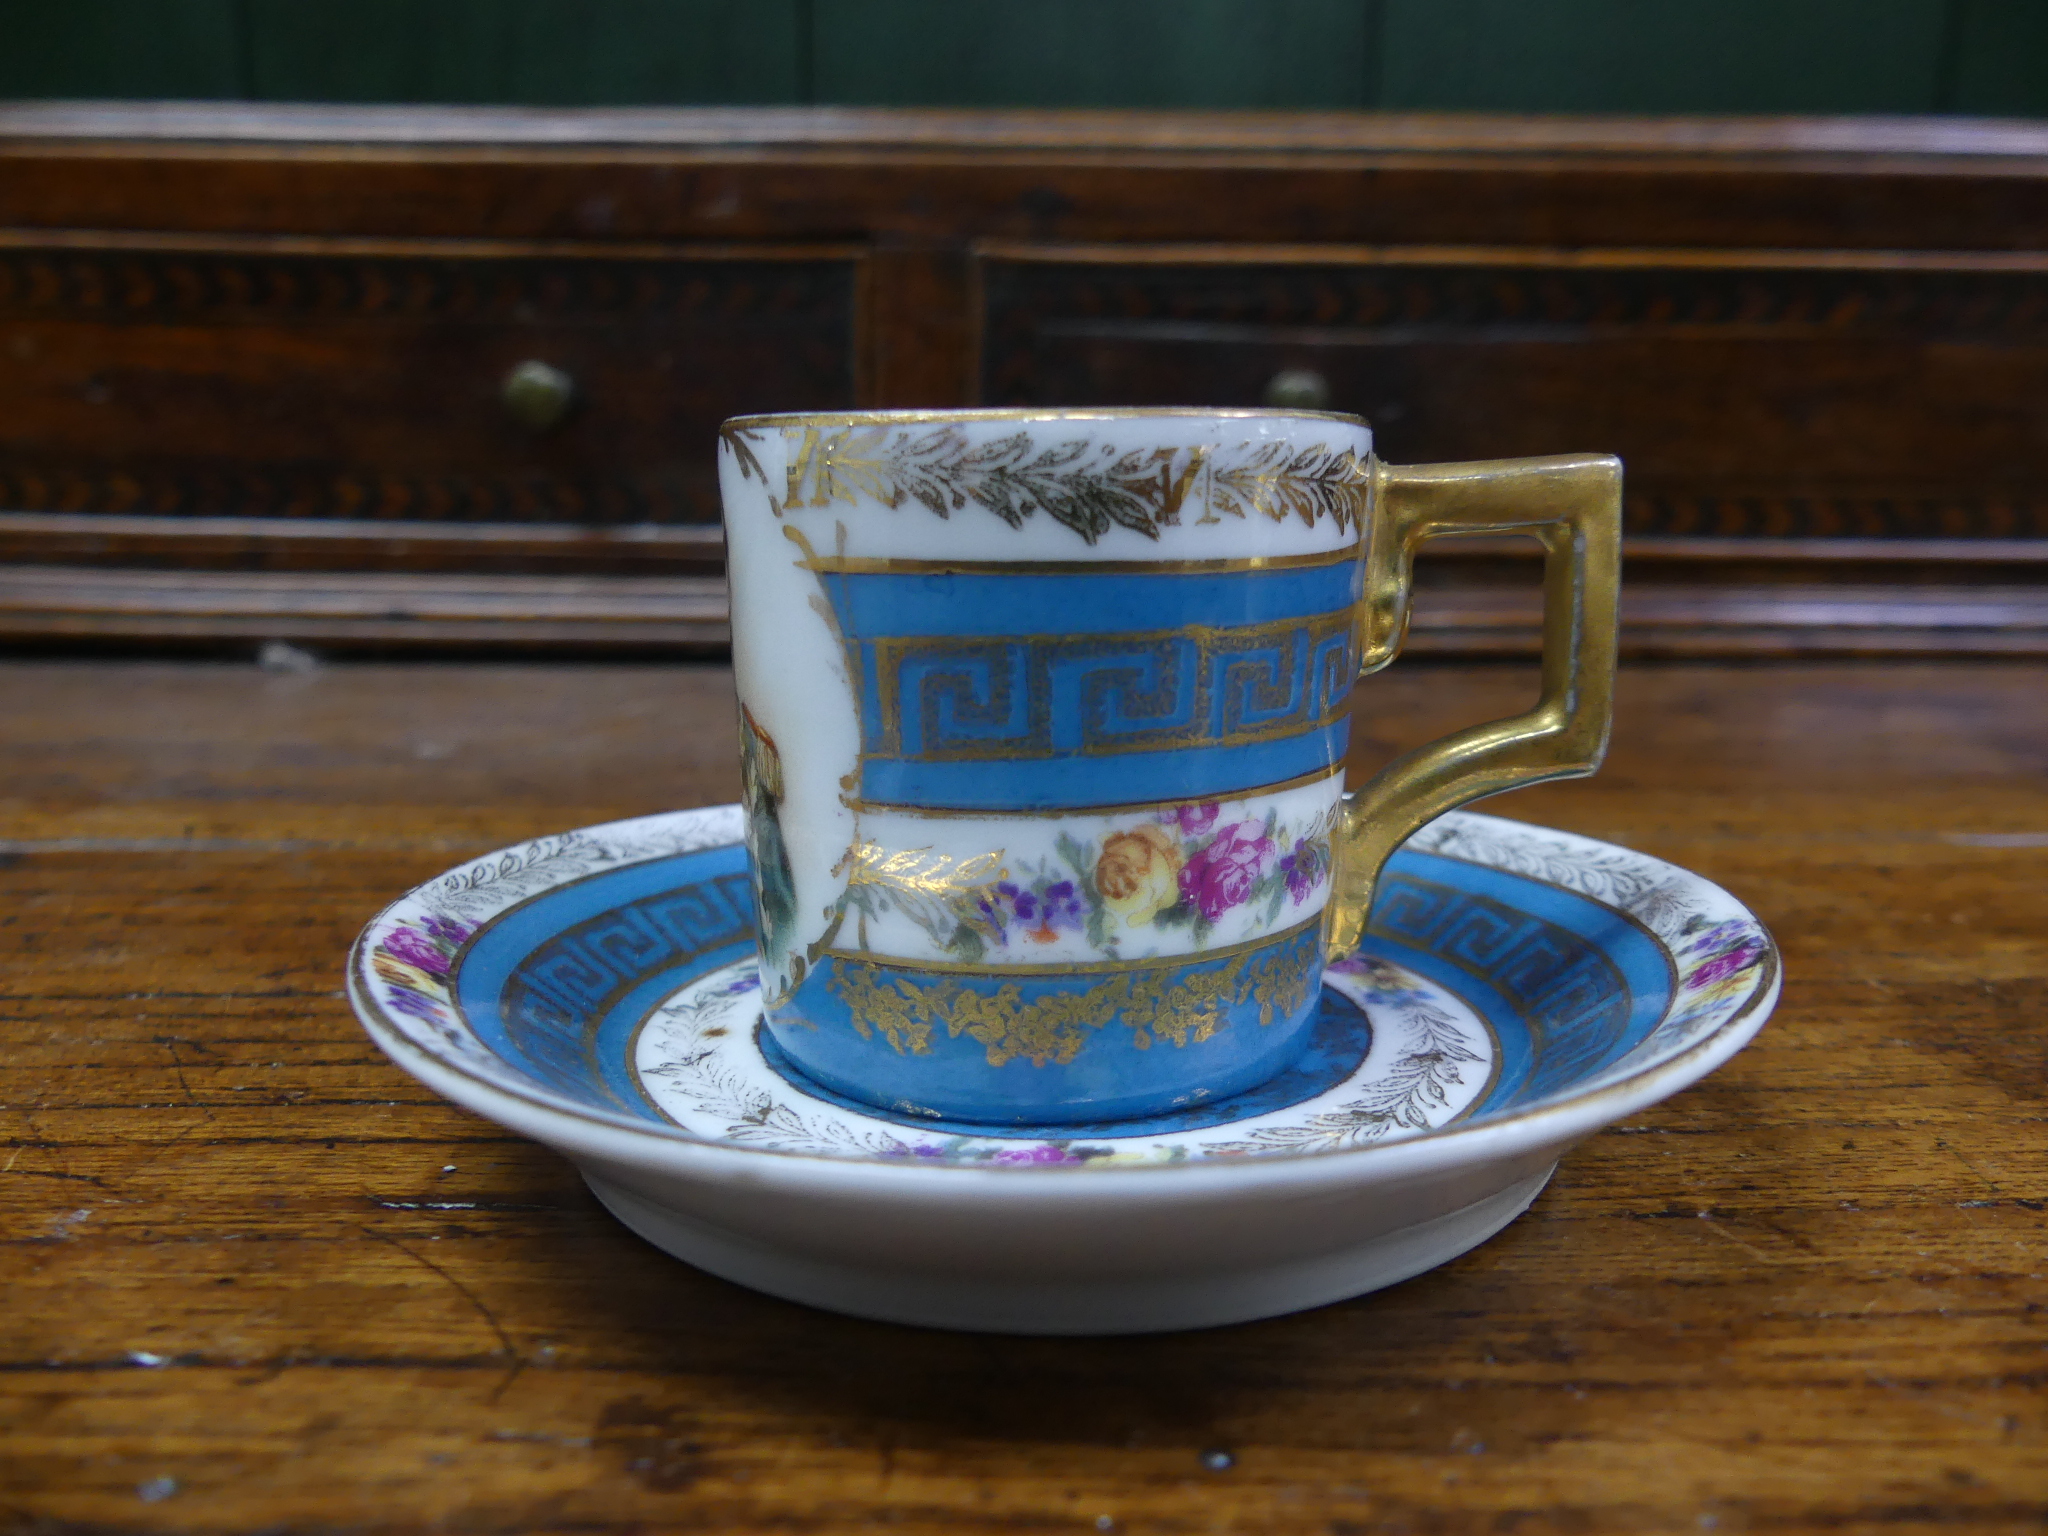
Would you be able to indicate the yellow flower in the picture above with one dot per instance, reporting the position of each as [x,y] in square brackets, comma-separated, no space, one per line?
[400,974]
[1138,873]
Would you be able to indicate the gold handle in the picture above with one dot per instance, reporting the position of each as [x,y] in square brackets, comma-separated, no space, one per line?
[1573,504]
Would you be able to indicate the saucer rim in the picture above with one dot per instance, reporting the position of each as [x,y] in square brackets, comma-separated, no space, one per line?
[628,1141]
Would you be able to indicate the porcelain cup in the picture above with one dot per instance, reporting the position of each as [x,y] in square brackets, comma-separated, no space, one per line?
[1044,717]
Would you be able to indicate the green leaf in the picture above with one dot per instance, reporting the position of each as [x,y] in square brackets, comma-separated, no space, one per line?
[1098,928]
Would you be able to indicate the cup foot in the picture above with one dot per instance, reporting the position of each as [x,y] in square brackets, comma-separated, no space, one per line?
[1060,1045]
[1160,1303]
[1098,1112]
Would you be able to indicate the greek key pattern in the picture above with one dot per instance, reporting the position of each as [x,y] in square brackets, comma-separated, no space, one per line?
[952,699]
[553,1002]
[1574,999]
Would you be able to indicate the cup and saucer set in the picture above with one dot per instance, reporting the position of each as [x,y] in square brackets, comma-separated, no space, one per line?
[1048,980]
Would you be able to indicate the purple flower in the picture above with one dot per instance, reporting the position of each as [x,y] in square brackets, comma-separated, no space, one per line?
[1193,820]
[1005,904]
[1221,875]
[1041,913]
[1057,906]
[417,949]
[447,930]
[1721,967]
[1304,867]
[739,984]
[405,1000]
[1043,1153]
[1714,936]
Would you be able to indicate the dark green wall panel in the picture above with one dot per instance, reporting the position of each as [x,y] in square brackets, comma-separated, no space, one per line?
[120,48]
[1663,55]
[2001,59]
[547,52]
[1130,53]
[1987,57]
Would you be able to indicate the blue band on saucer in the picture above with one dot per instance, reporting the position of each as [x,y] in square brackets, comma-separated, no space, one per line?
[1579,984]
[559,984]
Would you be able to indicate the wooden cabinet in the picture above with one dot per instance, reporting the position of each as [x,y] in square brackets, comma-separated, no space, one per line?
[423,376]
[381,380]
[1825,394]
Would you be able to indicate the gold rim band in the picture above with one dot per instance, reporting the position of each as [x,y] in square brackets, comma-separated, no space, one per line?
[837,565]
[1036,413]
[1078,812]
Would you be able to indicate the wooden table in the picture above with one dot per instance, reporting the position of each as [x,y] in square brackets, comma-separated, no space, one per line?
[256,1279]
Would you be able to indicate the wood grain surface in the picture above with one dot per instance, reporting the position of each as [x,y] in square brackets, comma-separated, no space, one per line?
[257,1280]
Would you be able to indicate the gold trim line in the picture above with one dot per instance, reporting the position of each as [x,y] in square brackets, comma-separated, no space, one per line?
[1079,967]
[1062,813]
[836,565]
[1036,413]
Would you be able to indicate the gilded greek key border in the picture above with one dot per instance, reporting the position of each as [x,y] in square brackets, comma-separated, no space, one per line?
[1314,651]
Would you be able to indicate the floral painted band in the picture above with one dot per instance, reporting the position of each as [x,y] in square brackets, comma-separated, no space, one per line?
[1179,879]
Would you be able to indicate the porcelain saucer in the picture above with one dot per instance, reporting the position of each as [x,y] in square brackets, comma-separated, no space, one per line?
[1518,989]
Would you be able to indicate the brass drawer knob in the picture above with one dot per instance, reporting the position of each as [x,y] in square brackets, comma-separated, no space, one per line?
[1298,389]
[537,396]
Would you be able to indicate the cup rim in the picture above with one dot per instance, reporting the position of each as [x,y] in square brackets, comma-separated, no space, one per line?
[1039,413]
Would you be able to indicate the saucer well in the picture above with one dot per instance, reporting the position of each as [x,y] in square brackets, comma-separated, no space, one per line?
[1518,989]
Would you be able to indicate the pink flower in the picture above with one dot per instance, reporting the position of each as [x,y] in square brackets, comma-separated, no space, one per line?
[417,949]
[1722,966]
[1038,1154]
[1221,876]
[1193,820]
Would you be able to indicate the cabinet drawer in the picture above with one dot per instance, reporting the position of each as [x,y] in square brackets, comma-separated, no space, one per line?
[1800,395]
[367,380]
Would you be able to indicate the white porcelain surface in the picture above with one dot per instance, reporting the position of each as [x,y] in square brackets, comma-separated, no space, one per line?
[1101,1300]
[699,1061]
